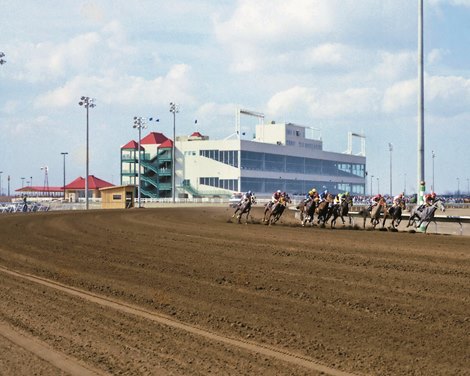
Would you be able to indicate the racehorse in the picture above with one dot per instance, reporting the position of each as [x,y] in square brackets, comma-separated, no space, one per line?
[323,210]
[307,211]
[244,208]
[373,213]
[275,210]
[394,213]
[425,215]
[341,210]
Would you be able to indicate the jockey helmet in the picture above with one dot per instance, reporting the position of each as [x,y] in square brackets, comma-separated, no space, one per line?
[313,190]
[248,193]
[278,191]
[346,193]
[326,191]
[433,195]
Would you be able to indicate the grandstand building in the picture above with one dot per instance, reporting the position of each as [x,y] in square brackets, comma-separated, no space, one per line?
[281,156]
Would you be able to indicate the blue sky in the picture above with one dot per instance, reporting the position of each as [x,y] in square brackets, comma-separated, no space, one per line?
[338,65]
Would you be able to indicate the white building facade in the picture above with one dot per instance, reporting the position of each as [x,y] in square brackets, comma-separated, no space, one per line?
[281,156]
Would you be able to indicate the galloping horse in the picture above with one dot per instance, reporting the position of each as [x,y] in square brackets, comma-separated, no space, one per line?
[244,208]
[276,210]
[307,210]
[373,213]
[425,215]
[323,210]
[394,213]
[341,210]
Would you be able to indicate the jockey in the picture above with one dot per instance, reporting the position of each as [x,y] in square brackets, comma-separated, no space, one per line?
[338,199]
[311,195]
[246,197]
[323,195]
[375,200]
[397,199]
[341,197]
[428,201]
[275,198]
[429,198]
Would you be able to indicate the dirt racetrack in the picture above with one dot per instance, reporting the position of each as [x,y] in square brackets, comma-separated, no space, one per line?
[182,291]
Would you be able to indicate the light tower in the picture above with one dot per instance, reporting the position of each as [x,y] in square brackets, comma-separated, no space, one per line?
[174,109]
[46,179]
[87,102]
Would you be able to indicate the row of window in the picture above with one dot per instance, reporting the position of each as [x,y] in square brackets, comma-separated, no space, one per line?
[230,184]
[281,163]
[229,157]
[297,187]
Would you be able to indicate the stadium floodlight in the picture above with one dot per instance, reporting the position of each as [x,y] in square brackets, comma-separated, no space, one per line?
[87,102]
[174,109]
[2,60]
[140,123]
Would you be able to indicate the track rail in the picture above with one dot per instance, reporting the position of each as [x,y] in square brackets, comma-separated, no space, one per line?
[279,354]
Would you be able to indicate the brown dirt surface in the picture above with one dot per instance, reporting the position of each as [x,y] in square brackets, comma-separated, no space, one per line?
[185,291]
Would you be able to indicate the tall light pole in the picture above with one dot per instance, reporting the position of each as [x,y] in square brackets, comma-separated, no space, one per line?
[87,102]
[468,187]
[378,185]
[458,187]
[2,60]
[421,183]
[64,153]
[174,109]
[433,186]
[140,124]
[390,149]
[22,182]
[404,186]
[371,180]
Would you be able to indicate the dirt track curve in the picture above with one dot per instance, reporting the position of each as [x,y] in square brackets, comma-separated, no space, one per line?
[178,291]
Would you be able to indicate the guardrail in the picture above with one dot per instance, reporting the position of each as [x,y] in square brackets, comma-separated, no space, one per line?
[460,220]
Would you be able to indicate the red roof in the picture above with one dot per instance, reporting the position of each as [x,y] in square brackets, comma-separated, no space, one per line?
[167,144]
[132,145]
[196,134]
[154,138]
[93,183]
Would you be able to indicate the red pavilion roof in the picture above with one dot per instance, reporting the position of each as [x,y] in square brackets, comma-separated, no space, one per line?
[154,138]
[167,144]
[132,145]
[93,183]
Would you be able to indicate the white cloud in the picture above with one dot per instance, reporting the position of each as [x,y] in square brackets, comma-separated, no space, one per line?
[122,89]
[92,11]
[395,66]
[400,96]
[320,105]
[442,94]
